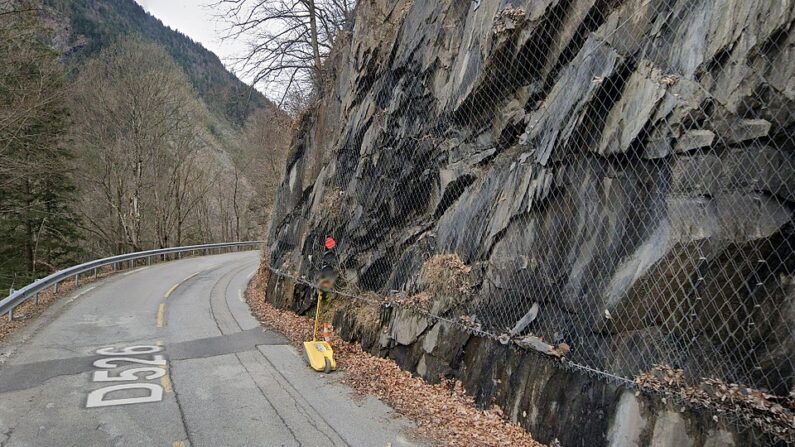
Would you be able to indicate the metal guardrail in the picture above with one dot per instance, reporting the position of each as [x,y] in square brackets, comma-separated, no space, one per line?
[31,291]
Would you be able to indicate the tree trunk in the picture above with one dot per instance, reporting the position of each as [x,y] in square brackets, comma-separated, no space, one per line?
[30,265]
[235,206]
[136,211]
[313,32]
[119,222]
[180,220]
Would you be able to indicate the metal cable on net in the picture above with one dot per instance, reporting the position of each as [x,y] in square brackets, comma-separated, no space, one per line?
[604,182]
[314,285]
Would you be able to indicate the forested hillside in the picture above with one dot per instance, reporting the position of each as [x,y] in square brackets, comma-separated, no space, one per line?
[38,225]
[118,134]
[90,25]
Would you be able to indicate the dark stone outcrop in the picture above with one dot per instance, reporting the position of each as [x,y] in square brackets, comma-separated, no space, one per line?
[626,165]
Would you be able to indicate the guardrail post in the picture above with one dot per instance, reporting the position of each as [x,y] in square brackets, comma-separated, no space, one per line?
[148,260]
[95,273]
[36,298]
[55,287]
[11,314]
[77,280]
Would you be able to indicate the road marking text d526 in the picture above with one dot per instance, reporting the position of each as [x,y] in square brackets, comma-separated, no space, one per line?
[117,358]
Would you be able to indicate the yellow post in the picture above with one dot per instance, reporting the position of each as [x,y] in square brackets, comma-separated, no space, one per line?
[317,313]
[319,354]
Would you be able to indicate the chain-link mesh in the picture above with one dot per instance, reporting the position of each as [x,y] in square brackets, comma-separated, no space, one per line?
[612,177]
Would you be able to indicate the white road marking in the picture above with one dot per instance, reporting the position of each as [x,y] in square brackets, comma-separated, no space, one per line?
[240,292]
[96,398]
[135,271]
[81,293]
[129,375]
[25,336]
[131,350]
[108,362]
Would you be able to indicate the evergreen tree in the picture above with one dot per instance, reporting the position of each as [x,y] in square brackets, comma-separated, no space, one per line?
[38,228]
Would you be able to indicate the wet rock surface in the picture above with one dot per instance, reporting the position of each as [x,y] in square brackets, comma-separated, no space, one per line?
[626,165]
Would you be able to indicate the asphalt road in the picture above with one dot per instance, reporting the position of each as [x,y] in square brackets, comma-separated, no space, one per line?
[169,355]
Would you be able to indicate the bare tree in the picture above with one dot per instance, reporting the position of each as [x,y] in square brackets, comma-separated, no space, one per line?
[137,139]
[264,147]
[181,181]
[287,39]
[30,86]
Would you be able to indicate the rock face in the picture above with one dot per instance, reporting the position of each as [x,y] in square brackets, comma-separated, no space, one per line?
[626,166]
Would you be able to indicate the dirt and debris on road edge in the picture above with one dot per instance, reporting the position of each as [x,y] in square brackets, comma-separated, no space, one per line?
[442,412]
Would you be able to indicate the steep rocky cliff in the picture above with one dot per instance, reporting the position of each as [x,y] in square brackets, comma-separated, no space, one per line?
[626,166]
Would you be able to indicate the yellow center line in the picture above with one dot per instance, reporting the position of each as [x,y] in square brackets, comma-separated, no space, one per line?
[178,444]
[161,311]
[174,287]
[165,382]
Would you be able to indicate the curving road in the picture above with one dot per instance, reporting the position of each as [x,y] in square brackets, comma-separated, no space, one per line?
[169,355]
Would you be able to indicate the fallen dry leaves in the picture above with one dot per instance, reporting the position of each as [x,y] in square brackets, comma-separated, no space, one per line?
[772,413]
[446,275]
[442,412]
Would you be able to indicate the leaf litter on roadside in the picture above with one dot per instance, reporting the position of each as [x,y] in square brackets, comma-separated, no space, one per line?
[442,412]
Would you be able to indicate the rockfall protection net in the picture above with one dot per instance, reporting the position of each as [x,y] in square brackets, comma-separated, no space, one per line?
[611,180]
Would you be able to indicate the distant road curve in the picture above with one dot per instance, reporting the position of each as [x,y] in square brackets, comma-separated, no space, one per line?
[170,355]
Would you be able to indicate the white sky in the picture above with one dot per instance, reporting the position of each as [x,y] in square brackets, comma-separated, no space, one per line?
[196,20]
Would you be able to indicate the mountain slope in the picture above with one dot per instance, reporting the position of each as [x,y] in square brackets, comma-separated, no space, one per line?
[94,24]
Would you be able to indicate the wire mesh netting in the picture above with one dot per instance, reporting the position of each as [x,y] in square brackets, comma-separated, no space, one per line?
[615,178]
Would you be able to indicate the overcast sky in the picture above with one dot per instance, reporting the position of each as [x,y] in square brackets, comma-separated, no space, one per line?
[196,20]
